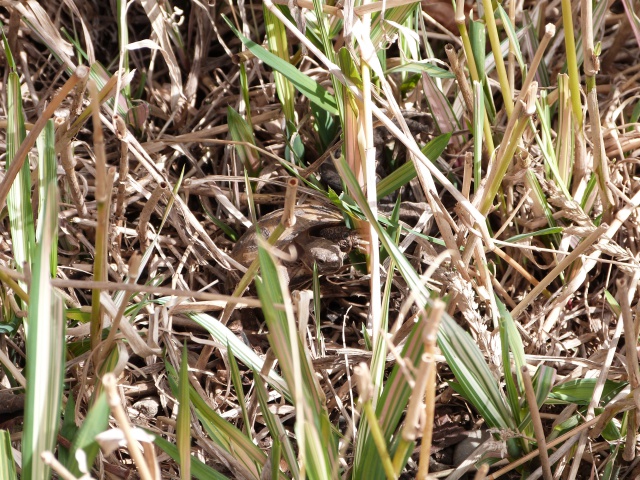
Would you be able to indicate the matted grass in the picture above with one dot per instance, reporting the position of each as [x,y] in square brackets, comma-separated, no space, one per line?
[454,251]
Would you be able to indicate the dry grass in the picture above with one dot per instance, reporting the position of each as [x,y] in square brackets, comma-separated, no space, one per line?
[207,139]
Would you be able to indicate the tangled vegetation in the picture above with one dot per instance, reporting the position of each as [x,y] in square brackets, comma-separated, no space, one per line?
[296,239]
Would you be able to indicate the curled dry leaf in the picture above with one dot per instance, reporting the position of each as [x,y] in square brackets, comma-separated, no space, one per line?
[111,440]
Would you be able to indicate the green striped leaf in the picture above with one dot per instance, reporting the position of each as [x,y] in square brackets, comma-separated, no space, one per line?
[45,350]
[7,463]
[305,85]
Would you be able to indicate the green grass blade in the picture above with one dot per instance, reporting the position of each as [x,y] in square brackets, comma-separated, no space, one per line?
[68,428]
[11,63]
[635,115]
[47,160]
[276,429]
[513,38]
[323,29]
[478,123]
[245,354]
[407,172]
[537,233]
[544,140]
[278,45]
[442,111]
[634,18]
[541,199]
[244,90]
[512,362]
[324,33]
[7,463]
[313,428]
[45,350]
[183,423]
[96,421]
[405,268]
[384,26]
[325,124]
[390,409]
[222,433]
[530,38]
[478,39]
[612,466]
[572,62]
[274,458]
[123,40]
[237,385]
[242,452]
[281,337]
[318,453]
[19,200]
[422,66]
[241,131]
[542,385]
[513,343]
[305,85]
[475,381]
[379,357]
[591,185]
[580,391]
[564,150]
